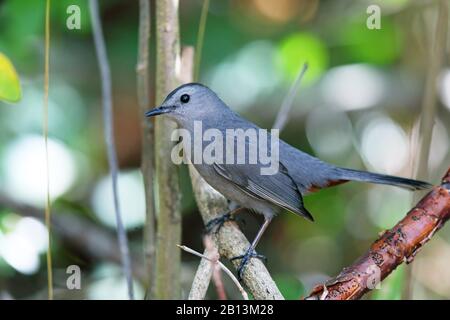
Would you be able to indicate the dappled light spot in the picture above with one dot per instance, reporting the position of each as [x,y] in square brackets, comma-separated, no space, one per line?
[329,133]
[386,205]
[352,87]
[444,88]
[21,246]
[24,169]
[108,283]
[131,195]
[384,145]
[251,68]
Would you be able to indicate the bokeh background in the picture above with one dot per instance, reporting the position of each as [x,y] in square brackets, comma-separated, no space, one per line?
[358,107]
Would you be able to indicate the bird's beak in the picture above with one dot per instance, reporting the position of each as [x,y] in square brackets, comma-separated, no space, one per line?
[159,110]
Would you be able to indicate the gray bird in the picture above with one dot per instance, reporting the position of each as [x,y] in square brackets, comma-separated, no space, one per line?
[298,173]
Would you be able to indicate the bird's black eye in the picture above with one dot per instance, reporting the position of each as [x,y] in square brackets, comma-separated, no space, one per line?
[185,98]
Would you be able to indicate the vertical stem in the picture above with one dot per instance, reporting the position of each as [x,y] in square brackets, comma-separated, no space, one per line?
[437,54]
[45,133]
[200,37]
[168,257]
[288,101]
[105,74]
[147,158]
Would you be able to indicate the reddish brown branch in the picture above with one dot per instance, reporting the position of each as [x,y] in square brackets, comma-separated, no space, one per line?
[395,246]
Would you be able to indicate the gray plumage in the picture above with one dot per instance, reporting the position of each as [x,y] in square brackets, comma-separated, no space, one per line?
[299,172]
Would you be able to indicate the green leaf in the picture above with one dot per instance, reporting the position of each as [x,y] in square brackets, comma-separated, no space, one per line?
[9,81]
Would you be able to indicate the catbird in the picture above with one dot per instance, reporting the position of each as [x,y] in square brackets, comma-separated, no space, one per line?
[298,173]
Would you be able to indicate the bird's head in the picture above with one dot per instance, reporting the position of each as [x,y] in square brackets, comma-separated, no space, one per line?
[188,103]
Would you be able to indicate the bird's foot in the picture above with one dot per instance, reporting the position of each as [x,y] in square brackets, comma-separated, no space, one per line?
[215,224]
[245,259]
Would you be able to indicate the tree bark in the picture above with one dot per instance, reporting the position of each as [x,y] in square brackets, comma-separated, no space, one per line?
[148,140]
[168,256]
[395,246]
[231,242]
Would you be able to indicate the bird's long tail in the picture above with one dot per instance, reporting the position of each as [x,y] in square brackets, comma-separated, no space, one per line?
[364,176]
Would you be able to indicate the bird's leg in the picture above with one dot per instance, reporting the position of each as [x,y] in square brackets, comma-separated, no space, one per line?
[215,224]
[251,253]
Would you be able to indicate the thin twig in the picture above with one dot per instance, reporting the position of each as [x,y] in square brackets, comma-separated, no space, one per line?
[201,280]
[288,101]
[200,38]
[109,137]
[222,266]
[216,274]
[47,162]
[147,160]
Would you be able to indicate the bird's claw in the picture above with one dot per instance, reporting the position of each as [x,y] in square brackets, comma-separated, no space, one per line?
[215,224]
[245,259]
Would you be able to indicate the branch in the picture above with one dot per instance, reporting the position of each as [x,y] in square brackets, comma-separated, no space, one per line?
[217,275]
[202,278]
[222,266]
[206,271]
[105,74]
[168,257]
[147,157]
[395,246]
[230,241]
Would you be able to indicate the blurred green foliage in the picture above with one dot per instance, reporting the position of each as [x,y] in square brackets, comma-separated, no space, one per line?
[359,42]
[300,48]
[290,287]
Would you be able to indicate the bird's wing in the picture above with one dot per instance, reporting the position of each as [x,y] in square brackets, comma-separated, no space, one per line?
[278,189]
[307,172]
